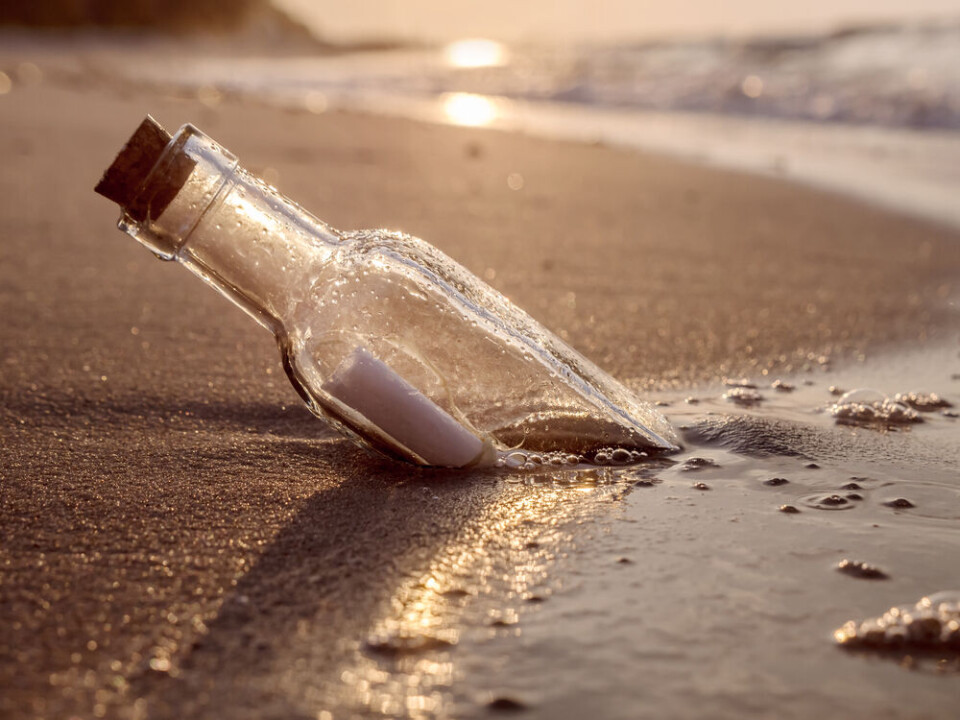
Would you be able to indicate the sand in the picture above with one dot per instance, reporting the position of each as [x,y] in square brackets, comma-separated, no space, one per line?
[182,539]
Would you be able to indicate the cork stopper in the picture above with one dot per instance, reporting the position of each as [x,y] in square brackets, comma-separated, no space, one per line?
[124,178]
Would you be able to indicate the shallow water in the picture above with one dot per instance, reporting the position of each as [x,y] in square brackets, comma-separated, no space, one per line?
[871,113]
[900,75]
[682,587]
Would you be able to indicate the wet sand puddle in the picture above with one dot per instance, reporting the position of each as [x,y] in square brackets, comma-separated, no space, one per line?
[715,578]
[459,618]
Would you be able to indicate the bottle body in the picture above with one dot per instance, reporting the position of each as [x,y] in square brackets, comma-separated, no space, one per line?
[389,339]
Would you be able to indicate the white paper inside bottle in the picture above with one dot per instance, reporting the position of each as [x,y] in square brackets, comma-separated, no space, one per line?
[371,387]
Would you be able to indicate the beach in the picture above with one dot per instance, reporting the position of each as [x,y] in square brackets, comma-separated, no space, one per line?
[181,538]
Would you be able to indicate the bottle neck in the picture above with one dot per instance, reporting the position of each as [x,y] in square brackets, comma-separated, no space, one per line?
[258,248]
[231,229]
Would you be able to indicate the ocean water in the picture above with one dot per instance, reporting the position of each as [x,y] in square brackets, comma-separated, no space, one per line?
[871,112]
[893,76]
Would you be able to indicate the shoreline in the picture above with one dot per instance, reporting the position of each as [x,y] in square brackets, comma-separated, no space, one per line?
[905,170]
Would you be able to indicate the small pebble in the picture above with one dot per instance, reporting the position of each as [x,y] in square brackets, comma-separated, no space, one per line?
[701,486]
[899,503]
[455,593]
[781,386]
[833,500]
[506,704]
[812,466]
[851,486]
[853,496]
[834,390]
[776,482]
[698,463]
[789,509]
[400,646]
[743,396]
[859,569]
[644,483]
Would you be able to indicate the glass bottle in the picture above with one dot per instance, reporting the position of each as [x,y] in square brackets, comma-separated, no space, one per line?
[383,336]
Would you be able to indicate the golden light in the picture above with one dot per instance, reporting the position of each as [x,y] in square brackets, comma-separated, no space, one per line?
[474,587]
[475,52]
[469,109]
[752,86]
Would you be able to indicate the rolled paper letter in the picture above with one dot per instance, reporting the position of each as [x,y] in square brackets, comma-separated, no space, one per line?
[370,387]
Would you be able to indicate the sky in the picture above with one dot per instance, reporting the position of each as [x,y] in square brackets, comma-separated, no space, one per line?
[565,20]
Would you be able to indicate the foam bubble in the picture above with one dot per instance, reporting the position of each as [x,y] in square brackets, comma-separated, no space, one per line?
[742,395]
[869,407]
[924,402]
[933,623]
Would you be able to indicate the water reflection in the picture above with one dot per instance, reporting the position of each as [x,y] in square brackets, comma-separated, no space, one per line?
[475,52]
[473,590]
[469,109]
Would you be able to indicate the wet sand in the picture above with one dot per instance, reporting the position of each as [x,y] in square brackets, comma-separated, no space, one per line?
[182,539]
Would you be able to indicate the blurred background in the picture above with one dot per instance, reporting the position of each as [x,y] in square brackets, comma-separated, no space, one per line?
[891,62]
[770,87]
[429,20]
[880,62]
[577,20]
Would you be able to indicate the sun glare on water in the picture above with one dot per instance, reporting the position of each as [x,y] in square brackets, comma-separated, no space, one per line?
[469,109]
[475,53]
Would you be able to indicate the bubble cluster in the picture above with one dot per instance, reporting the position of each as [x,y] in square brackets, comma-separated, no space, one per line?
[743,396]
[521,460]
[860,569]
[924,402]
[931,624]
[869,407]
[605,457]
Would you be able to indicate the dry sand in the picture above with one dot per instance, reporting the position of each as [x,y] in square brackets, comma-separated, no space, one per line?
[173,520]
